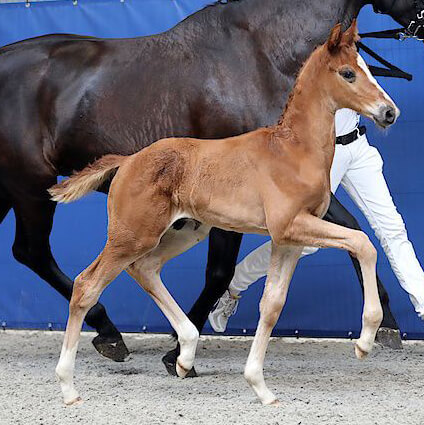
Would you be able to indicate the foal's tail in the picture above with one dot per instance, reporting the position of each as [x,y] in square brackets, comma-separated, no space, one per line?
[86,180]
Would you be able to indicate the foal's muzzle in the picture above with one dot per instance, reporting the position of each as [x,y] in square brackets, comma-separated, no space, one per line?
[387,115]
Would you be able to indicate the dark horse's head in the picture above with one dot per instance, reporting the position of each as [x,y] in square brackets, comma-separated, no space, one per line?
[408,13]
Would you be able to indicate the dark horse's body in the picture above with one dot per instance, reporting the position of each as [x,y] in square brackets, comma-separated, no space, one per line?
[66,100]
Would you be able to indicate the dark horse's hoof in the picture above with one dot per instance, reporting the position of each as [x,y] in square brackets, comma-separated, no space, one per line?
[170,361]
[389,338]
[114,349]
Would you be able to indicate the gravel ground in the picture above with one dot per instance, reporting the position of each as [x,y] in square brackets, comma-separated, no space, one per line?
[317,382]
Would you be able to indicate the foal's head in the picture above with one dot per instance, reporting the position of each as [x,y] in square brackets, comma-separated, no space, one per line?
[347,80]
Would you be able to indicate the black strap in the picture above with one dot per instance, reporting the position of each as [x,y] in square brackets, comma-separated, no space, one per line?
[415,28]
[390,70]
[378,71]
[352,136]
[395,34]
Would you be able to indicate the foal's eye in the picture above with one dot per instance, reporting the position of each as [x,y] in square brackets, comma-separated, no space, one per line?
[348,75]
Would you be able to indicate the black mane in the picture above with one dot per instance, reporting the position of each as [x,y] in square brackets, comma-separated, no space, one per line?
[224,2]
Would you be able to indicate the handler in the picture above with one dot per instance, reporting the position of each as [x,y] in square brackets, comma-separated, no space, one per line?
[358,167]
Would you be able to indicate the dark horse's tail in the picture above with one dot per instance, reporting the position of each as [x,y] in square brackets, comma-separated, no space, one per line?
[86,180]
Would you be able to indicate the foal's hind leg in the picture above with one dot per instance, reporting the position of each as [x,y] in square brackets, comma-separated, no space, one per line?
[146,272]
[134,230]
[222,257]
[88,287]
[34,219]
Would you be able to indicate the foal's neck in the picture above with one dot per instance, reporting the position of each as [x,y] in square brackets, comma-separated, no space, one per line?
[310,117]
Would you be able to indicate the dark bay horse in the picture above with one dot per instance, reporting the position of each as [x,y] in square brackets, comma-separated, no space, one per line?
[66,100]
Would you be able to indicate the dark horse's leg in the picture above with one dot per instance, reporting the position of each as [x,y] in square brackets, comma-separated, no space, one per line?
[388,333]
[34,219]
[5,207]
[222,258]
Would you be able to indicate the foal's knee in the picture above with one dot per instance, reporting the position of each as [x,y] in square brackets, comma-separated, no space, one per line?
[364,249]
[270,309]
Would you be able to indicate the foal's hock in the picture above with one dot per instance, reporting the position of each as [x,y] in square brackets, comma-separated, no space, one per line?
[271,181]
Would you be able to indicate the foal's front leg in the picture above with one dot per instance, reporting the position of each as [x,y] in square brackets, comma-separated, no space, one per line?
[283,263]
[312,231]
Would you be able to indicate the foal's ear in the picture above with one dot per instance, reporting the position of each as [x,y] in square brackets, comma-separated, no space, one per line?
[351,35]
[333,42]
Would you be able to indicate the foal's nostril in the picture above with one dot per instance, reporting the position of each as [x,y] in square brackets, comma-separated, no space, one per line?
[390,116]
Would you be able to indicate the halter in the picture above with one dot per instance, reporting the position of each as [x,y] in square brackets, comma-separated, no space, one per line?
[415,29]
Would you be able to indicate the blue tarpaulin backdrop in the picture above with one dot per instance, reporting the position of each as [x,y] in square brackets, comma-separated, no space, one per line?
[324,299]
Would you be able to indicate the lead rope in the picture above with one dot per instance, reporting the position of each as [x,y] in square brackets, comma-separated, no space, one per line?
[396,34]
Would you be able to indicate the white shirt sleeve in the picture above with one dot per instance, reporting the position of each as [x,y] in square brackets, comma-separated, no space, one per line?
[346,121]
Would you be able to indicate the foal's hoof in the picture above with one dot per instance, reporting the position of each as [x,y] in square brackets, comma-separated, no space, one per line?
[75,402]
[114,349]
[360,353]
[170,362]
[389,338]
[182,372]
[275,403]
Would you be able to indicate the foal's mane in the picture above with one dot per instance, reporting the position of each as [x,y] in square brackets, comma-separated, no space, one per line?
[316,56]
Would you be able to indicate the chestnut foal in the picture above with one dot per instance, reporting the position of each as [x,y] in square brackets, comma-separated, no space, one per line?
[271,181]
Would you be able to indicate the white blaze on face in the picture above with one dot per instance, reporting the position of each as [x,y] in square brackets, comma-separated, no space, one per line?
[364,67]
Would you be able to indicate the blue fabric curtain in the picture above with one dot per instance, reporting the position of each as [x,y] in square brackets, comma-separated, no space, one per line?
[324,299]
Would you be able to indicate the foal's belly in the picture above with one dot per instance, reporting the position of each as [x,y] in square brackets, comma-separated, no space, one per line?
[230,213]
